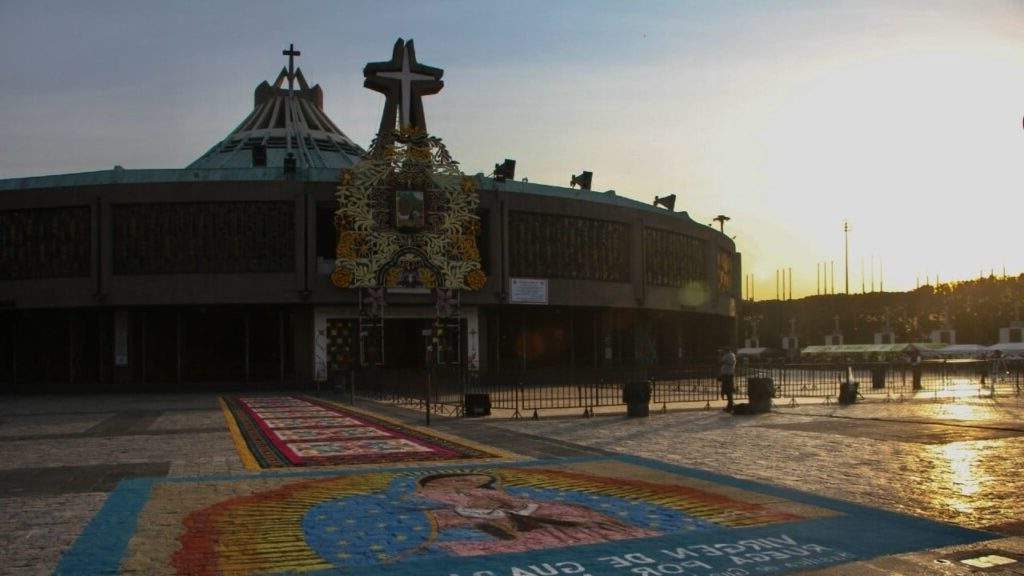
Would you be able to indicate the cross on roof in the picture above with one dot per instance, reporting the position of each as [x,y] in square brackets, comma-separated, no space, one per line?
[404,82]
[291,53]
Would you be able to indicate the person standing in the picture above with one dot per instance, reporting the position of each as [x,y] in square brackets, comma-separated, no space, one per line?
[727,378]
[915,367]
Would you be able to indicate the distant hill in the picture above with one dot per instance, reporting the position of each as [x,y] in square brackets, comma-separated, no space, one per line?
[976,309]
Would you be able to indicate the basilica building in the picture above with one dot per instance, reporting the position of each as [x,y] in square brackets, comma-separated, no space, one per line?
[288,252]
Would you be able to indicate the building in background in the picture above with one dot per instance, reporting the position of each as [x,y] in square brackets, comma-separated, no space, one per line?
[219,274]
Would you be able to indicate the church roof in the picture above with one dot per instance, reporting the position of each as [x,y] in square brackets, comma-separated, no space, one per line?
[286,119]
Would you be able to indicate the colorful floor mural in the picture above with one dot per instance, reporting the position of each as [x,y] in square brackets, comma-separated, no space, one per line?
[583,516]
[283,431]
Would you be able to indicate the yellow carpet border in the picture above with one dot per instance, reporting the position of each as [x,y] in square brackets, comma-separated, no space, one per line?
[248,460]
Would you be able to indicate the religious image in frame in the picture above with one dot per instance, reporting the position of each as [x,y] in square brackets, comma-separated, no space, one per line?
[409,209]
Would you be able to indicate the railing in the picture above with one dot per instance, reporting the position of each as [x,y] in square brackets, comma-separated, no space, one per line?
[524,392]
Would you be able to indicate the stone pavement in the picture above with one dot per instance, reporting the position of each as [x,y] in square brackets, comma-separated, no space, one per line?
[956,462]
[952,462]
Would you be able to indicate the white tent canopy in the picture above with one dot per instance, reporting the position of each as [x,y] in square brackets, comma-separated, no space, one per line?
[856,349]
[1009,349]
[957,351]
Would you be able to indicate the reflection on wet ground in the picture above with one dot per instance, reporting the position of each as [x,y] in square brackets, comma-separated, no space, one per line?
[955,462]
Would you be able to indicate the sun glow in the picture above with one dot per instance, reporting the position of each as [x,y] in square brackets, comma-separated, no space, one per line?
[918,147]
[964,479]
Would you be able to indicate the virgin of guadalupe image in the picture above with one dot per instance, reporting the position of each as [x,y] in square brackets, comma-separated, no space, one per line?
[441,515]
[409,209]
[478,517]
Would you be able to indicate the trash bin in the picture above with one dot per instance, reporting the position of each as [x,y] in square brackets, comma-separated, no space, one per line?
[878,377]
[760,391]
[637,396]
[477,405]
[848,392]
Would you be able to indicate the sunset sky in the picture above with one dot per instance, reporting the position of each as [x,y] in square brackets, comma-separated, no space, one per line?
[903,117]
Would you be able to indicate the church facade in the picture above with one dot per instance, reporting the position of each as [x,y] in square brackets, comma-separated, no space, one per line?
[251,266]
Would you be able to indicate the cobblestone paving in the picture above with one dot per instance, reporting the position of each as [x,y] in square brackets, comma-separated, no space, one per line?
[29,425]
[59,437]
[35,531]
[974,482]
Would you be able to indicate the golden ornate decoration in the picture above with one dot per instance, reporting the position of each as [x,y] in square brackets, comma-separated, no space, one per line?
[475,279]
[372,252]
[341,278]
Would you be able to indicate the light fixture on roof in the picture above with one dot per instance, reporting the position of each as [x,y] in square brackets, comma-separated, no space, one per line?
[666,201]
[583,180]
[721,219]
[505,171]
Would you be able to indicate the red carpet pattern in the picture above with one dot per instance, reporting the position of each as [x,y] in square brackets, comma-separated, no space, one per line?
[282,431]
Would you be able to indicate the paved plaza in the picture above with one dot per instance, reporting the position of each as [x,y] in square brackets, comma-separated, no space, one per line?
[914,480]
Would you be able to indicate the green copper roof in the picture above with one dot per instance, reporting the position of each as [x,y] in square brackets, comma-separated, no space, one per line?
[169,175]
[609,197]
[271,174]
[284,120]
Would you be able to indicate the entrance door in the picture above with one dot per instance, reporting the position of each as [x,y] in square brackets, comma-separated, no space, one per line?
[405,345]
[406,341]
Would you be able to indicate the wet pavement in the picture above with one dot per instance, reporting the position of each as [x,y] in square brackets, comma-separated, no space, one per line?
[955,461]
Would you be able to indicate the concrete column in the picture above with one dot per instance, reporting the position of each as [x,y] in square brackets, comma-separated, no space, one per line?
[142,347]
[70,320]
[247,369]
[105,248]
[177,347]
[504,248]
[14,350]
[280,342]
[101,338]
[302,338]
[636,260]
[497,340]
[472,316]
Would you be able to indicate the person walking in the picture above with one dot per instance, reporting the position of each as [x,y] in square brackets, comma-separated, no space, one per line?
[727,378]
[915,367]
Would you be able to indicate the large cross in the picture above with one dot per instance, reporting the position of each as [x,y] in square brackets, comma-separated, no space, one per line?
[404,82]
[291,53]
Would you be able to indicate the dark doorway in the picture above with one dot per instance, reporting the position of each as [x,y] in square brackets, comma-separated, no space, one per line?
[268,344]
[7,338]
[213,345]
[405,344]
[160,350]
[42,348]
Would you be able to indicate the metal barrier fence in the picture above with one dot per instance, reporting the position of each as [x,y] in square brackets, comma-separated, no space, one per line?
[524,392]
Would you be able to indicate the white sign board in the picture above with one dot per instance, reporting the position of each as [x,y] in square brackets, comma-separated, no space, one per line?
[528,291]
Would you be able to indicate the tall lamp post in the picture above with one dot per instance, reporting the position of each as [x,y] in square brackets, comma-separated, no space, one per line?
[846,248]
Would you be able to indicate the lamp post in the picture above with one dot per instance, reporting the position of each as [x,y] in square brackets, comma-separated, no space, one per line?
[846,249]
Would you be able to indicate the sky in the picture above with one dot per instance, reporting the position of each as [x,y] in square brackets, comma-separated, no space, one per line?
[903,118]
